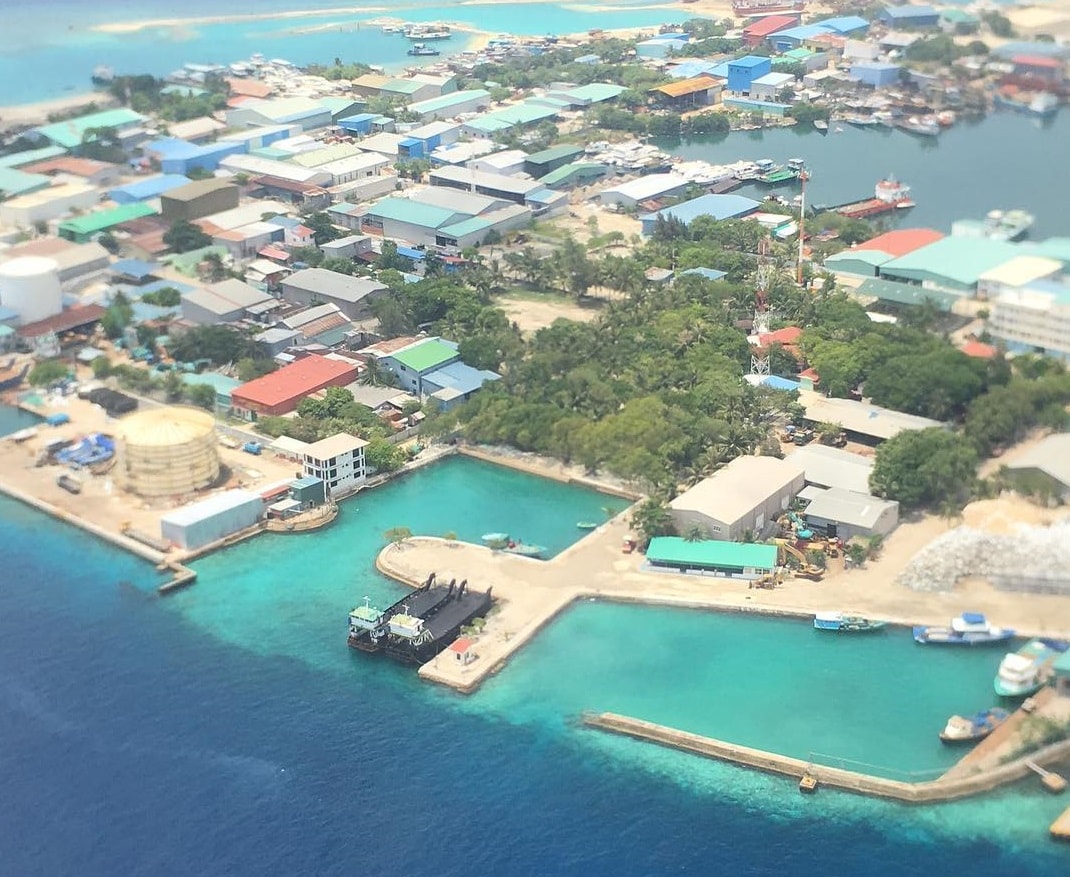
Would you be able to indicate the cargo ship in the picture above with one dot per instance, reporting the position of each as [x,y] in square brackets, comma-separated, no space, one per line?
[888,195]
[766,7]
[419,625]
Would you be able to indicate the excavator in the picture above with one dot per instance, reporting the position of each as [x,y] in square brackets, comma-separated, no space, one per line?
[804,569]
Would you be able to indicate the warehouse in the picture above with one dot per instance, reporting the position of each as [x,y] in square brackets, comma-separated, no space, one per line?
[863,422]
[279,392]
[440,217]
[833,467]
[628,195]
[147,189]
[201,523]
[866,258]
[955,263]
[876,74]
[539,164]
[450,106]
[70,133]
[352,295]
[305,112]
[44,205]
[1045,467]
[505,188]
[740,500]
[685,94]
[253,165]
[199,199]
[845,514]
[714,206]
[179,157]
[729,559]
[768,87]
[84,228]
[222,302]
[354,167]
[743,71]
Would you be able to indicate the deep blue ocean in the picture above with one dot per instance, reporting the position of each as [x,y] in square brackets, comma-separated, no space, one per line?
[136,740]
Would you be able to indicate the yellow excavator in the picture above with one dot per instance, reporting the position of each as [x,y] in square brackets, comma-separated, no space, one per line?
[804,569]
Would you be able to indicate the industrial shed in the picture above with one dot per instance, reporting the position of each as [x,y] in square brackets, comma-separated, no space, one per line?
[744,497]
[952,262]
[833,467]
[202,523]
[862,421]
[1045,464]
[846,514]
[629,194]
[732,559]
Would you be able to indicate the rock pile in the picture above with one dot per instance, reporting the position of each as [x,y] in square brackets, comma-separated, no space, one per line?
[1033,559]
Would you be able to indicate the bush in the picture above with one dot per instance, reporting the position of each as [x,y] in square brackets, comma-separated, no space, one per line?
[47,371]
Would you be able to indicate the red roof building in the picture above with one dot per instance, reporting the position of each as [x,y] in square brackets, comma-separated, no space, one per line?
[280,392]
[979,349]
[754,34]
[901,241]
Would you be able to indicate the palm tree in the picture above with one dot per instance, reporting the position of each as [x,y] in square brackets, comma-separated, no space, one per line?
[398,535]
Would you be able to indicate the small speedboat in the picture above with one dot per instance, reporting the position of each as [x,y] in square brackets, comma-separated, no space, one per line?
[586,525]
[970,729]
[847,623]
[525,550]
[969,629]
[490,538]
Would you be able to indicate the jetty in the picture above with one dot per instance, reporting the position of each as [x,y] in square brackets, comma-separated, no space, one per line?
[947,787]
[1060,828]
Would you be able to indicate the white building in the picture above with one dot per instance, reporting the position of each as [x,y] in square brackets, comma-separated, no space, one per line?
[1016,273]
[628,195]
[44,205]
[1033,318]
[338,460]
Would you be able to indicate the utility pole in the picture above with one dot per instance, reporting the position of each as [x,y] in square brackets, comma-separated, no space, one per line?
[804,175]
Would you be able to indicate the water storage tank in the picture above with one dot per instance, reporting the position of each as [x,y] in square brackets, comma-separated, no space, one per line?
[30,285]
[167,452]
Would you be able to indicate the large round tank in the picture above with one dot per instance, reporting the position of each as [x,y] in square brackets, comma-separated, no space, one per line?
[166,452]
[30,285]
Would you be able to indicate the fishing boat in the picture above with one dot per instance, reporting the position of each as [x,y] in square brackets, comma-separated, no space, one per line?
[922,126]
[969,729]
[838,621]
[822,125]
[1024,672]
[860,121]
[422,49]
[968,629]
[586,525]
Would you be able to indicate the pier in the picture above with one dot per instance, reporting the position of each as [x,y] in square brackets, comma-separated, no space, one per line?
[944,788]
[1060,828]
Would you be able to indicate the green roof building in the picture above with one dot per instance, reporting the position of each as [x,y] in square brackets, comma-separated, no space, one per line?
[71,132]
[85,228]
[579,173]
[15,182]
[411,363]
[951,262]
[741,559]
[539,164]
[29,156]
[907,293]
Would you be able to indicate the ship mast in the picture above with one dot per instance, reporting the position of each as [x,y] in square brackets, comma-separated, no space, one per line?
[803,177]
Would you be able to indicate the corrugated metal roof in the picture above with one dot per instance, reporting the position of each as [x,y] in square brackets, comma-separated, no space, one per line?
[1022,270]
[413,212]
[103,219]
[960,260]
[684,87]
[833,467]
[849,507]
[69,133]
[219,504]
[711,554]
[900,241]
[735,490]
[426,355]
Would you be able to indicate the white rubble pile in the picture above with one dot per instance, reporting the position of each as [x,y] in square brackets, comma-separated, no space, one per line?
[1029,555]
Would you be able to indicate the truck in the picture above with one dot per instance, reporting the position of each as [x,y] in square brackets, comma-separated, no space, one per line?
[253,448]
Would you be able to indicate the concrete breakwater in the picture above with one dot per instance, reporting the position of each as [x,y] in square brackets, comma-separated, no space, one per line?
[944,788]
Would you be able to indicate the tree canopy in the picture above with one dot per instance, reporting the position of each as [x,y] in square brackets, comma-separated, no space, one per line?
[924,467]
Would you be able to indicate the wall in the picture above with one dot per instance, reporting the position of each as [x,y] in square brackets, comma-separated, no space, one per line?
[214,527]
[216,201]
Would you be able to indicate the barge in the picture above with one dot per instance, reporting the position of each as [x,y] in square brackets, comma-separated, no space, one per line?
[888,196]
[419,625]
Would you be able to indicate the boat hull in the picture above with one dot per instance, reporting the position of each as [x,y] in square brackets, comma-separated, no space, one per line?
[927,636]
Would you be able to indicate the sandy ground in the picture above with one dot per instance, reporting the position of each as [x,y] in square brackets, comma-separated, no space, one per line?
[102,503]
[531,316]
[37,113]
[1051,18]
[530,592]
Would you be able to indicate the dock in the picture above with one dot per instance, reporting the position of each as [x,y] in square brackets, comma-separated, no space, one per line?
[809,775]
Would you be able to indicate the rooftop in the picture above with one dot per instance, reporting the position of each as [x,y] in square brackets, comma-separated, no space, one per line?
[91,223]
[833,467]
[460,377]
[334,446]
[426,355]
[444,103]
[749,61]
[863,418]
[649,186]
[70,132]
[763,27]
[1022,270]
[152,187]
[413,212]
[849,507]
[199,188]
[711,554]
[900,241]
[960,259]
[295,380]
[555,153]
[331,284]
[716,206]
[684,87]
[732,492]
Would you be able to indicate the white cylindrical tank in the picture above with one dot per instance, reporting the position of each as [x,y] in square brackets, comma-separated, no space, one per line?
[167,452]
[30,285]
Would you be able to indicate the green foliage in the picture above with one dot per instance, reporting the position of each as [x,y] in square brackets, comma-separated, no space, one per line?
[174,387]
[183,237]
[250,368]
[101,367]
[109,242]
[1005,414]
[397,535]
[118,316]
[382,456]
[47,371]
[652,518]
[324,230]
[939,48]
[390,260]
[219,344]
[311,256]
[805,113]
[201,395]
[339,265]
[924,467]
[338,70]
[165,297]
[998,23]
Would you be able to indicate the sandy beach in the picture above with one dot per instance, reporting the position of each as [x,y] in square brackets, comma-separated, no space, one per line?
[38,113]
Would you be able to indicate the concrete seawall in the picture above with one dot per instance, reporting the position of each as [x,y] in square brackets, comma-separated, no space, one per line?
[931,792]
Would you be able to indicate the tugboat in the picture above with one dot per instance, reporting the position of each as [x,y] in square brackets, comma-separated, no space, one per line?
[969,629]
[970,729]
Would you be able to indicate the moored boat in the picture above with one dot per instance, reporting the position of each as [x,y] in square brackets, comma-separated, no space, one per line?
[1024,672]
[839,621]
[586,525]
[422,50]
[495,537]
[968,629]
[524,549]
[822,125]
[969,729]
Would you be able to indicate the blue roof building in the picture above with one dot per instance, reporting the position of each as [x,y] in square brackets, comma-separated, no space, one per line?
[793,37]
[715,206]
[743,71]
[145,190]
[909,16]
[707,273]
[877,74]
[179,157]
[455,383]
[845,25]
[134,270]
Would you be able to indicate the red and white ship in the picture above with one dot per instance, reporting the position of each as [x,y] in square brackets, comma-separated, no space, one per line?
[888,195]
[766,7]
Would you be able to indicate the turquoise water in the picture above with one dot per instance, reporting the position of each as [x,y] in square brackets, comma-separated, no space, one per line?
[771,683]
[298,602]
[13,419]
[1004,161]
[62,59]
